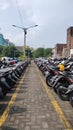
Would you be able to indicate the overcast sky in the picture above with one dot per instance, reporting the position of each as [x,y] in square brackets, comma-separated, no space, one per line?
[53,17]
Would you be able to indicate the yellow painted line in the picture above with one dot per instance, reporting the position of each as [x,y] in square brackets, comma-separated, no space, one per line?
[6,112]
[62,117]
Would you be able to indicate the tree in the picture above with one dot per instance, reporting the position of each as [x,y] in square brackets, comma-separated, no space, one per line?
[47,52]
[11,51]
[39,52]
[1,50]
[28,52]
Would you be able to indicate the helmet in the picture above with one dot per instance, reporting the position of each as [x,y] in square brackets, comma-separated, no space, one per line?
[61,67]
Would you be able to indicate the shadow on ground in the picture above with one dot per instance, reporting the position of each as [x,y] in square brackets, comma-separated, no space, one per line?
[17,110]
[8,128]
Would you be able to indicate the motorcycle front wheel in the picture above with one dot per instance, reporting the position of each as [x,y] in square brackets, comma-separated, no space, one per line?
[48,80]
[62,94]
[71,99]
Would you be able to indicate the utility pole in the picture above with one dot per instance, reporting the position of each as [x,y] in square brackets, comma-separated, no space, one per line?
[25,33]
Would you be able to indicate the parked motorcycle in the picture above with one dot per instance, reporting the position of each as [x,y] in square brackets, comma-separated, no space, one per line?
[66,93]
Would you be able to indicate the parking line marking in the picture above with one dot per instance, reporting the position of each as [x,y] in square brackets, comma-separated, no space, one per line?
[6,112]
[56,105]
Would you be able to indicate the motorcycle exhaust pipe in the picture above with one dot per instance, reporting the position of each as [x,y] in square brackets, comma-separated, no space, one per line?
[18,71]
[9,76]
[4,82]
[1,93]
[14,76]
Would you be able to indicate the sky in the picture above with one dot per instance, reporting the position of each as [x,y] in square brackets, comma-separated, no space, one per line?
[53,17]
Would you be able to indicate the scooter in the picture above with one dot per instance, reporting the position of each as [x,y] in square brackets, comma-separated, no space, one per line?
[62,78]
[66,93]
[62,84]
[51,75]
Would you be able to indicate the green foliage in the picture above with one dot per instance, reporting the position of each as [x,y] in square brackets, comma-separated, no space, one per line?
[9,51]
[47,52]
[38,52]
[41,52]
[28,52]
[1,50]
[22,57]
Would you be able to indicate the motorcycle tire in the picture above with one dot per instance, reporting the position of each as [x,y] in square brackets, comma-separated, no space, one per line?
[56,87]
[48,80]
[71,99]
[62,94]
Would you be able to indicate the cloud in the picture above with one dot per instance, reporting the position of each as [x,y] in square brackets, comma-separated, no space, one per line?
[52,16]
[4,4]
[17,39]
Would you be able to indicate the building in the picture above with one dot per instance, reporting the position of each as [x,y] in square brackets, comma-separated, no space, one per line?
[2,42]
[70,38]
[5,42]
[65,50]
[53,52]
[59,48]
[70,41]
[65,53]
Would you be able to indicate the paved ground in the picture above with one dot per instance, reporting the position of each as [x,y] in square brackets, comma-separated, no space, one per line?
[33,109]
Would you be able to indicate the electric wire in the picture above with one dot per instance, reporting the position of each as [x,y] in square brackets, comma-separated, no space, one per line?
[19,12]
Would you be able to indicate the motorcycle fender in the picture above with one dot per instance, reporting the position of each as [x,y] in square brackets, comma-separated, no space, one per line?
[70,89]
[47,74]
[57,79]
[54,78]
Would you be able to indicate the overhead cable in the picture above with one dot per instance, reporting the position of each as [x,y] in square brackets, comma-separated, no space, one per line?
[19,12]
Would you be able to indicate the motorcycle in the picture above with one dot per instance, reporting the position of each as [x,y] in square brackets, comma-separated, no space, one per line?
[66,93]
[51,75]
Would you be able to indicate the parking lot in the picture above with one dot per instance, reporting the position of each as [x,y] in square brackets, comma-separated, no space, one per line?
[32,105]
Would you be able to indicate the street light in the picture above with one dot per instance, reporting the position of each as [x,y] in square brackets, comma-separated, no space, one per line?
[25,32]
